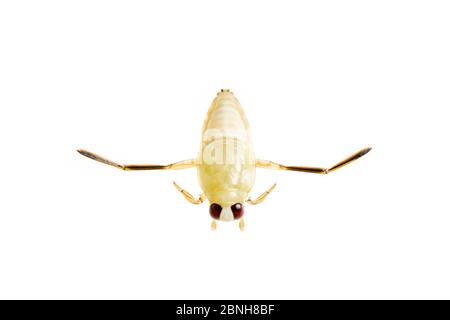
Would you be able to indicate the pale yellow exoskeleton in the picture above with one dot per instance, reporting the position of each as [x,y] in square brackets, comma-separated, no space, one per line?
[226,163]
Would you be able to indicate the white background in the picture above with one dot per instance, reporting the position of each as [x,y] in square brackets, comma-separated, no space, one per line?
[133,81]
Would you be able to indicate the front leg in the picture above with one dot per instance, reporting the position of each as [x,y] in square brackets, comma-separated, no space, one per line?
[262,196]
[242,224]
[189,197]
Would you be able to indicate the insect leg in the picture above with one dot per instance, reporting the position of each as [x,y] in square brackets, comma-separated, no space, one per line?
[213,225]
[173,166]
[189,197]
[276,166]
[241,224]
[262,196]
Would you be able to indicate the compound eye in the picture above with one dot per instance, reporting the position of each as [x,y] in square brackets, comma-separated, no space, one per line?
[238,210]
[215,210]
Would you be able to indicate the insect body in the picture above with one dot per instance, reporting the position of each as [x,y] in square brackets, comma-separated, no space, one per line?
[226,163]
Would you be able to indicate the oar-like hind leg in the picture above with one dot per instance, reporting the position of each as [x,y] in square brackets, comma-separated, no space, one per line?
[185,164]
[272,165]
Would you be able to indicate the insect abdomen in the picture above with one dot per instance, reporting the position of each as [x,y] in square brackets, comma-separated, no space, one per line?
[226,163]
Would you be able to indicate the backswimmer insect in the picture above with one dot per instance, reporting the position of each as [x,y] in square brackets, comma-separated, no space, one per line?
[226,164]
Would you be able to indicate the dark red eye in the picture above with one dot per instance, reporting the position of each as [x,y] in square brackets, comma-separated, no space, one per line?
[238,210]
[215,210]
